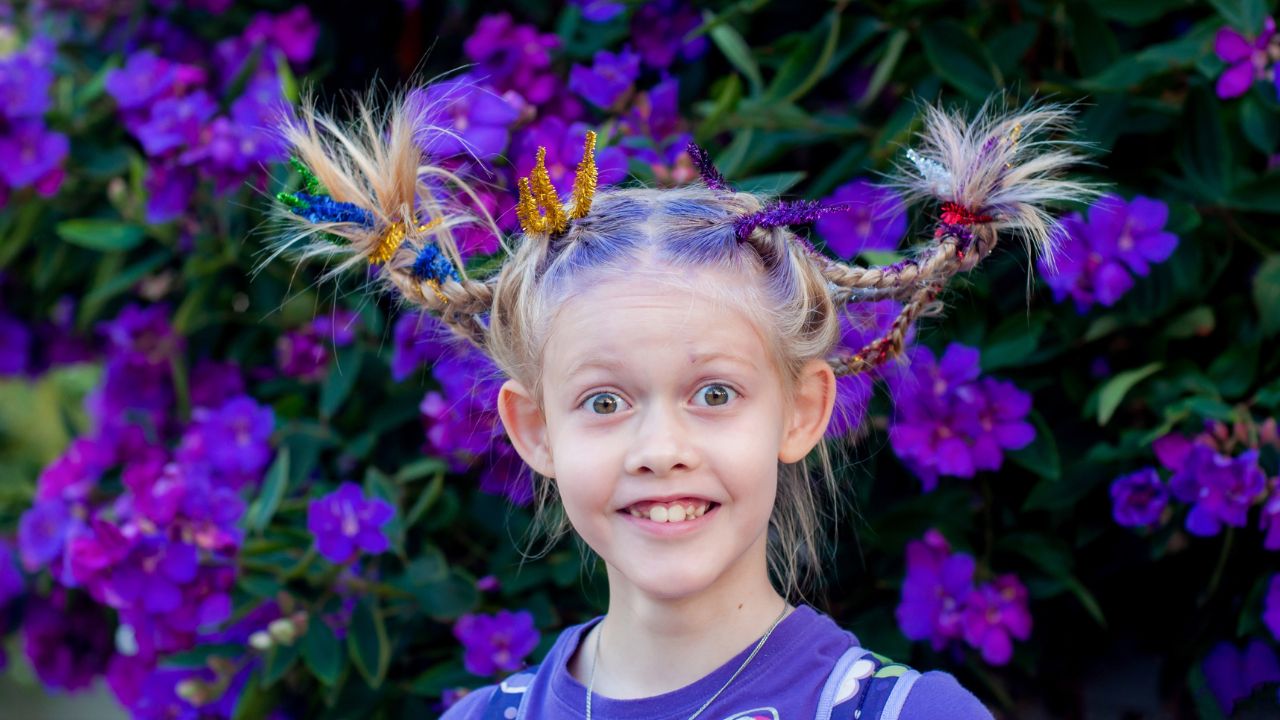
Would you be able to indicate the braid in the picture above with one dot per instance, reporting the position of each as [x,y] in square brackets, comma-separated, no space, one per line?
[986,182]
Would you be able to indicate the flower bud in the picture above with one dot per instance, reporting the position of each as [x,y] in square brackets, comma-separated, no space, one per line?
[193,691]
[283,631]
[260,640]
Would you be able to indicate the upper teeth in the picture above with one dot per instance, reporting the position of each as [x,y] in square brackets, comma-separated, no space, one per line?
[673,512]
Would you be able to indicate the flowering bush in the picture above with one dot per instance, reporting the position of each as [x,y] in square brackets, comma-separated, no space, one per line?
[231,494]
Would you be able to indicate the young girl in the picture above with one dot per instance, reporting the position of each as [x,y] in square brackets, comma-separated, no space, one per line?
[671,360]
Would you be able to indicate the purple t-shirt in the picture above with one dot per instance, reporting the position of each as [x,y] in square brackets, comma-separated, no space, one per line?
[782,682]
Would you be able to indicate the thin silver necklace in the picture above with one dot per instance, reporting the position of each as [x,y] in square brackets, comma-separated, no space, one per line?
[592,682]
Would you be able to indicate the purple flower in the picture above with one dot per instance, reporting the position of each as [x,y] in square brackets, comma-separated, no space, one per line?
[143,79]
[1138,498]
[496,642]
[949,422]
[514,57]
[478,118]
[853,392]
[1088,272]
[42,533]
[1172,450]
[1271,607]
[417,342]
[66,639]
[1270,519]
[176,122]
[301,354]
[142,336]
[30,153]
[169,189]
[564,144]
[235,439]
[293,32]
[75,473]
[345,523]
[1246,61]
[1233,675]
[658,30]
[1133,229]
[993,614]
[875,219]
[506,474]
[599,11]
[936,586]
[339,326]
[25,80]
[608,79]
[12,584]
[1221,488]
[213,383]
[15,346]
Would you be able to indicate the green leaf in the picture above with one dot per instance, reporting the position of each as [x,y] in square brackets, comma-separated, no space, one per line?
[420,468]
[1204,150]
[254,702]
[101,234]
[771,184]
[1013,341]
[1233,371]
[1261,125]
[368,643]
[1206,701]
[735,49]
[884,67]
[323,655]
[1040,456]
[1243,15]
[1198,321]
[435,681]
[378,485]
[126,278]
[1266,295]
[1113,392]
[340,379]
[450,598]
[1055,559]
[274,487]
[960,59]
[279,660]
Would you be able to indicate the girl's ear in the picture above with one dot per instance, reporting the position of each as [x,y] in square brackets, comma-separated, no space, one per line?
[807,422]
[526,426]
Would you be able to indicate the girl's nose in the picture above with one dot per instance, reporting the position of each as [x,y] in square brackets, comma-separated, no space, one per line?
[662,443]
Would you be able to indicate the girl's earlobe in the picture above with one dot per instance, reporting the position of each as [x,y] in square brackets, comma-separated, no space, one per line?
[526,426]
[814,400]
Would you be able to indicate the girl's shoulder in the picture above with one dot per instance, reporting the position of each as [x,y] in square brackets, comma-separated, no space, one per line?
[868,686]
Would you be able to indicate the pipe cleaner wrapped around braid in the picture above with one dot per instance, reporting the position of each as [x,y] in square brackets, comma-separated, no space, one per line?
[371,197]
[991,176]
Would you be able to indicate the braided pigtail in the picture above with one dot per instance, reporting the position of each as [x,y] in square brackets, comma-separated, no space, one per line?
[994,175]
[371,196]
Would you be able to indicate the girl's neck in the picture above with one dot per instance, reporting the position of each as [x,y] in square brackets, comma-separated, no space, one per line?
[650,647]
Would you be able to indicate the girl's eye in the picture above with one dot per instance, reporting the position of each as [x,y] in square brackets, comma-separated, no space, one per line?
[603,403]
[719,394]
[606,403]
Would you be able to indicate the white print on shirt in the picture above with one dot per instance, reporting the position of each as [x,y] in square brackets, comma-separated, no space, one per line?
[764,713]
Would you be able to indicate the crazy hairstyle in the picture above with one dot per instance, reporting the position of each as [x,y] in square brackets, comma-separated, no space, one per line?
[395,206]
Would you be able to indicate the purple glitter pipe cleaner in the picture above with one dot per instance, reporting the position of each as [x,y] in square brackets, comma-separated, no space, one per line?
[710,175]
[782,214]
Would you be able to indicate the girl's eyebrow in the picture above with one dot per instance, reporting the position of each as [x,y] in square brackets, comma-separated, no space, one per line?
[608,363]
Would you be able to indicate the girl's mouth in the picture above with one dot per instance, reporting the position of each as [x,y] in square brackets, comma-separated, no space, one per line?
[671,519]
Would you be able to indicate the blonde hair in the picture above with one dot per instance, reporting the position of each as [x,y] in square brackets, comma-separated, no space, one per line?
[1001,170]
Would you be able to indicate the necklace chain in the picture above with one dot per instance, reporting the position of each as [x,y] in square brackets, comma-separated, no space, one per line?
[599,631]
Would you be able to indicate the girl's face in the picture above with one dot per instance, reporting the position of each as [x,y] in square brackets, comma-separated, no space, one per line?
[654,393]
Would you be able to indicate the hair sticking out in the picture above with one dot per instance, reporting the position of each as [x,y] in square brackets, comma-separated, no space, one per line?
[373,196]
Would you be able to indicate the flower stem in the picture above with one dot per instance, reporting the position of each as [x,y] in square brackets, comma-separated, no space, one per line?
[1217,571]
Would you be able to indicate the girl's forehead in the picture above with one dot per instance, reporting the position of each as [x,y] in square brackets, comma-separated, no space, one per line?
[672,330]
